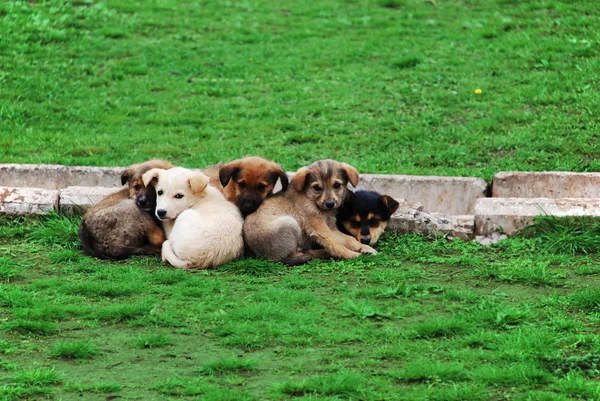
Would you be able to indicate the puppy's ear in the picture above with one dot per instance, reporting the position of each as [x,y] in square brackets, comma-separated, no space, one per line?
[390,203]
[128,173]
[198,182]
[299,179]
[351,173]
[279,173]
[227,171]
[150,177]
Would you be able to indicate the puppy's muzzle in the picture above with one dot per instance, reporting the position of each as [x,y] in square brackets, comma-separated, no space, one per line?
[143,202]
[249,207]
[161,213]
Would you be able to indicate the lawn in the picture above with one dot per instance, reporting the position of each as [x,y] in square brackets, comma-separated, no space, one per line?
[385,85]
[422,320]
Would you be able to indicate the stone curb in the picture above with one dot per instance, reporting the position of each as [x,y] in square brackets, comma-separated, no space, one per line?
[18,201]
[447,195]
[551,184]
[73,200]
[411,218]
[437,194]
[509,215]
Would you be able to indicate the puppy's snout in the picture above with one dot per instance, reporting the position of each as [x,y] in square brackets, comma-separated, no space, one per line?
[249,207]
[329,204]
[161,212]
[142,201]
[365,240]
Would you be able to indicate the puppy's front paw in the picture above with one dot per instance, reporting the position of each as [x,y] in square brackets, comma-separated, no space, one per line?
[366,249]
[350,255]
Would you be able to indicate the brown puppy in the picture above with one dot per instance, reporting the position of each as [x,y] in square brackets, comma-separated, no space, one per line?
[123,224]
[247,182]
[305,217]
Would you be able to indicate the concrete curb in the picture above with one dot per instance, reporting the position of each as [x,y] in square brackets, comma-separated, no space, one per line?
[431,205]
[510,215]
[28,200]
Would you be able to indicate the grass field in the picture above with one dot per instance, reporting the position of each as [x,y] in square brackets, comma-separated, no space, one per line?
[422,320]
[386,85]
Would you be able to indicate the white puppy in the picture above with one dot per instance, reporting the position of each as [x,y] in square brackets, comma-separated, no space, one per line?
[202,228]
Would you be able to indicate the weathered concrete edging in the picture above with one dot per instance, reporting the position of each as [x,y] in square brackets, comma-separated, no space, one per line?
[550,184]
[510,215]
[431,205]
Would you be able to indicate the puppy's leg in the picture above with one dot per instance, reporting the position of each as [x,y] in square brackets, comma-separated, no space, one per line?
[330,241]
[169,256]
[353,244]
[275,240]
[155,235]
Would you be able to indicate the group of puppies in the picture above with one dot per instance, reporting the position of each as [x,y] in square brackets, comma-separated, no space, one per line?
[203,219]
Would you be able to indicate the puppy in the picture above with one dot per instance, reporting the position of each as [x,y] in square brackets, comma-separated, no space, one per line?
[203,229]
[247,182]
[305,217]
[123,224]
[365,215]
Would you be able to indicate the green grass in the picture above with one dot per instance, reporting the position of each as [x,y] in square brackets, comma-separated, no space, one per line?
[385,85]
[75,350]
[423,319]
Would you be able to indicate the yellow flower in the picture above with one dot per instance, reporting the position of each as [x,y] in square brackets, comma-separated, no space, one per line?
[478,91]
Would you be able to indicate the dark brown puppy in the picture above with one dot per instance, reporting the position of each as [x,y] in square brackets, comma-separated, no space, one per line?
[123,224]
[304,217]
[247,182]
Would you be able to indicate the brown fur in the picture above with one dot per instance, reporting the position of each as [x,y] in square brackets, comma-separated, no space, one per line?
[247,182]
[122,224]
[305,217]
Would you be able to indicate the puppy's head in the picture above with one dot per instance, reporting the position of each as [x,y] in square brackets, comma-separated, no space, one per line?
[251,180]
[177,189]
[325,182]
[145,197]
[365,215]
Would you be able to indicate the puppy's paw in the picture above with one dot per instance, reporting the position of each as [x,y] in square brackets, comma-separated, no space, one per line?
[366,249]
[350,255]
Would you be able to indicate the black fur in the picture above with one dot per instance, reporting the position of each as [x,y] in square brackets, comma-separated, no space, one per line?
[362,203]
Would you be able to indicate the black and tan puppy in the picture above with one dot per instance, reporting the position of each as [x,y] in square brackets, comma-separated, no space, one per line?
[365,215]
[247,182]
[304,217]
[123,224]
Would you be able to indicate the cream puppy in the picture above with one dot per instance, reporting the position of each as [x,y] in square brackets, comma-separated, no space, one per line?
[202,228]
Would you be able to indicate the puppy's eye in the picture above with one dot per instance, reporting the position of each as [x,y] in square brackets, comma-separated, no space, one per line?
[242,184]
[337,185]
[261,187]
[374,222]
[317,188]
[159,193]
[137,187]
[354,223]
[178,196]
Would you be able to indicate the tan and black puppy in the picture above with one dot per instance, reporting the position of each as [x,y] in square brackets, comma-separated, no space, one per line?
[305,217]
[365,215]
[123,224]
[247,182]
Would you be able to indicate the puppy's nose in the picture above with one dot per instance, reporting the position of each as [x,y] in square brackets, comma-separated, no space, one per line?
[249,207]
[329,204]
[142,201]
[365,240]
[161,212]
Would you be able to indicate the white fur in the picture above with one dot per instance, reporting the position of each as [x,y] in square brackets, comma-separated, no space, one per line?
[203,229]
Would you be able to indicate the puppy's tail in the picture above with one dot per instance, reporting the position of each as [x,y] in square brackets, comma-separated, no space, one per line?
[115,252]
[169,256]
[276,240]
